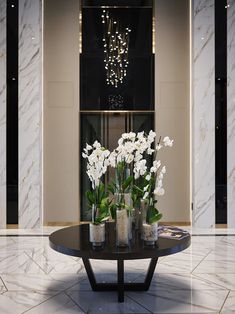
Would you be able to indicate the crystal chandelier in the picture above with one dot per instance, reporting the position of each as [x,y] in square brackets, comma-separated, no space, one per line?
[116,46]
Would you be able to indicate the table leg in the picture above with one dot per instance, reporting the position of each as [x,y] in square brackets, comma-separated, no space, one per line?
[150,273]
[90,273]
[120,286]
[120,275]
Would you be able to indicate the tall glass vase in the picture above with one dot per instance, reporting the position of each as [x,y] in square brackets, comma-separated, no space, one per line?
[123,219]
[143,214]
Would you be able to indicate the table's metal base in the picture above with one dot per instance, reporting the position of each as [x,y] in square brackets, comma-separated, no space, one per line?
[120,286]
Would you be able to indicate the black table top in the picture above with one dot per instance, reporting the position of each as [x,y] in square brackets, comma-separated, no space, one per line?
[74,241]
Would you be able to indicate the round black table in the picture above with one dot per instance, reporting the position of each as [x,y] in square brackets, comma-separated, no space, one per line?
[74,241]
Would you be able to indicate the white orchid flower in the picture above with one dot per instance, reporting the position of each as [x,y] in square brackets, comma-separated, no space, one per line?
[167,141]
[148,177]
[145,195]
[159,191]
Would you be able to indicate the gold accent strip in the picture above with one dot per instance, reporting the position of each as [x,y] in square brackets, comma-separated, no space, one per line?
[116,7]
[62,223]
[12,226]
[117,111]
[221,226]
[175,223]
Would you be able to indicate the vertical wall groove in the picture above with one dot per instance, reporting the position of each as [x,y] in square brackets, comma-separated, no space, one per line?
[203,116]
[231,112]
[30,81]
[2,113]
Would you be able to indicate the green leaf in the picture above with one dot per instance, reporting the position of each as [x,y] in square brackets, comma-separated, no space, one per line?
[153,215]
[90,197]
[155,218]
[113,209]
[112,187]
[127,183]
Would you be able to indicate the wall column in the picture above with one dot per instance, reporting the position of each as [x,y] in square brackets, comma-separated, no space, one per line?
[203,113]
[30,112]
[2,113]
[231,112]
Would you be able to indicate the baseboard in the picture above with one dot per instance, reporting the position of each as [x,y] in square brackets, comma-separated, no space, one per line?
[64,223]
[12,226]
[221,226]
[175,223]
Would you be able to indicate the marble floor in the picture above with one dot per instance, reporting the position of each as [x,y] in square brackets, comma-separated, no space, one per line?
[34,279]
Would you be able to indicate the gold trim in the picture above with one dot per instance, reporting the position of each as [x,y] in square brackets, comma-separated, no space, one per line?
[175,223]
[117,111]
[221,226]
[62,223]
[12,226]
[116,7]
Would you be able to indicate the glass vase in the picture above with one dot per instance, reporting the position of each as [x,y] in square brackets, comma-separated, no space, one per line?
[96,231]
[150,233]
[123,219]
[97,234]
[142,214]
[122,227]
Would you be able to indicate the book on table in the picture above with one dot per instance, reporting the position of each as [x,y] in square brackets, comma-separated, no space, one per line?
[172,232]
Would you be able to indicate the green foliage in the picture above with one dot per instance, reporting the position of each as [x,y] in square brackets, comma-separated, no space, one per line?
[153,215]
[102,212]
[126,184]
[112,187]
[99,199]
[136,195]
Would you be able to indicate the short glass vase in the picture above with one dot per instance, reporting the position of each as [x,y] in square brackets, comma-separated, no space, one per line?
[97,234]
[150,233]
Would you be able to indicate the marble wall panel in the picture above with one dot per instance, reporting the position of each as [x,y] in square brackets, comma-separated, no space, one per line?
[30,113]
[203,113]
[231,112]
[2,113]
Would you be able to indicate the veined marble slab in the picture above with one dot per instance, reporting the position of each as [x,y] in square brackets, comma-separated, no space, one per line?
[59,304]
[30,112]
[231,112]
[2,113]
[203,82]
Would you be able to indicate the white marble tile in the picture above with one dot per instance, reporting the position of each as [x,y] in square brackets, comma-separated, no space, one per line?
[2,286]
[224,280]
[104,302]
[17,263]
[59,304]
[229,241]
[173,290]
[14,302]
[231,112]
[30,243]
[31,232]
[2,113]
[180,281]
[30,111]
[229,305]
[215,263]
[181,301]
[6,243]
[53,262]
[203,112]
[40,282]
